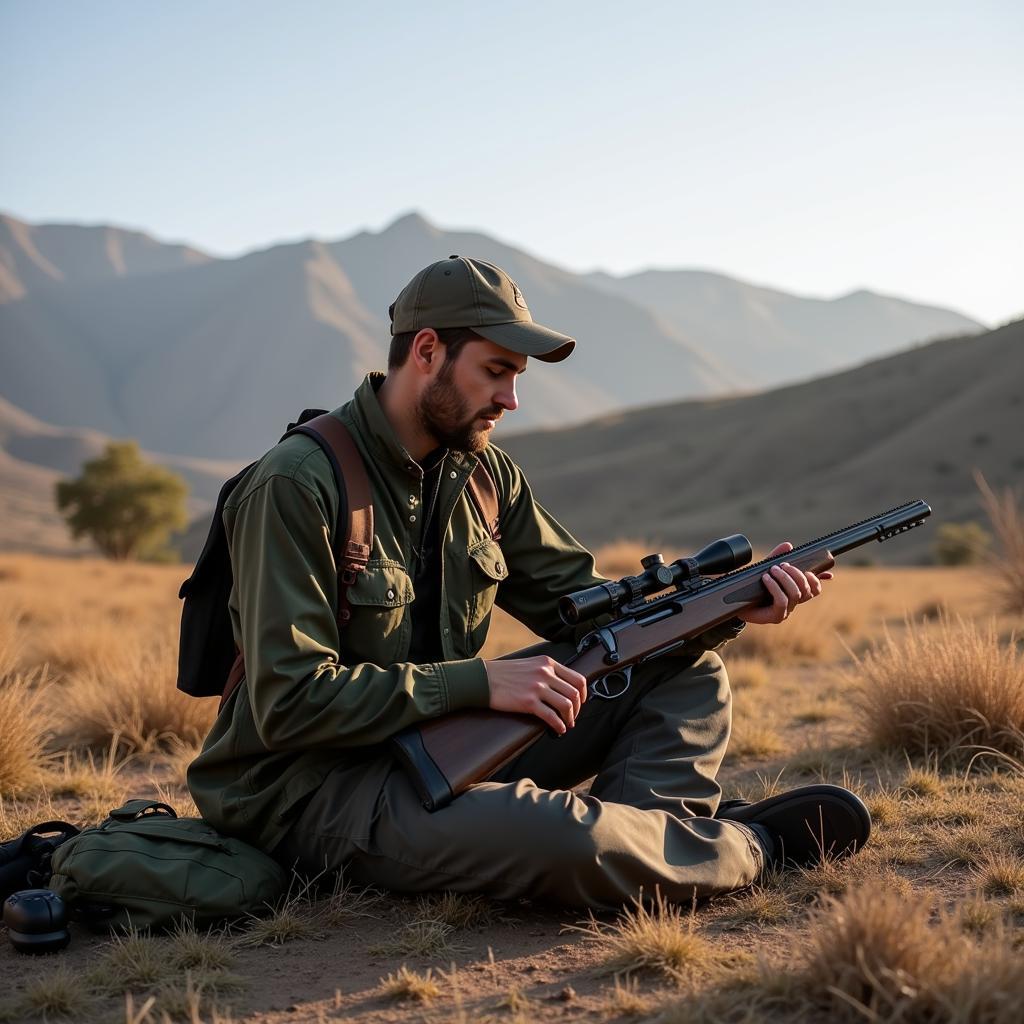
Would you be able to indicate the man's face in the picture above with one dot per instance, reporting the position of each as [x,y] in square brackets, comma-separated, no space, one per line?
[469,394]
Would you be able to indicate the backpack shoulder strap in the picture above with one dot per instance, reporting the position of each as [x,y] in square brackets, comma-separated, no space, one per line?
[352,540]
[484,492]
[353,534]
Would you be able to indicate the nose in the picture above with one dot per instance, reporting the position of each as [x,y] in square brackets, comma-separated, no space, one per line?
[506,396]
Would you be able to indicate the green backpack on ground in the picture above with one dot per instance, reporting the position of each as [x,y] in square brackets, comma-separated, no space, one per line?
[144,867]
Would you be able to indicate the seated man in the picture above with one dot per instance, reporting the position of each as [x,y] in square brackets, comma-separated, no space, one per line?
[297,763]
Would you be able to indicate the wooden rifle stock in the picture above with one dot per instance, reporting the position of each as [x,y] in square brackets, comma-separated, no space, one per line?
[447,755]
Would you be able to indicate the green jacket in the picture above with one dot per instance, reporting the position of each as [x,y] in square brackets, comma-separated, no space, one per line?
[313,701]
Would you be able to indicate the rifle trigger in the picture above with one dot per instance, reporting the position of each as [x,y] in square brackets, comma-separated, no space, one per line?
[613,685]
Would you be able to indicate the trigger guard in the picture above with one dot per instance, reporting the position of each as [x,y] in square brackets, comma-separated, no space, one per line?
[613,685]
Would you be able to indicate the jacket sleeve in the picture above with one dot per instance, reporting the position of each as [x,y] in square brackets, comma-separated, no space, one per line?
[285,587]
[545,562]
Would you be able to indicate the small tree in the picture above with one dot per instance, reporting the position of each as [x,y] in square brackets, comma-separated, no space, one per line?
[125,505]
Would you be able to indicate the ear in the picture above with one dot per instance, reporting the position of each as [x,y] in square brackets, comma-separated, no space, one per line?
[427,351]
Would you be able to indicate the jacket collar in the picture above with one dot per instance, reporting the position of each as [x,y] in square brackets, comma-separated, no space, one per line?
[379,436]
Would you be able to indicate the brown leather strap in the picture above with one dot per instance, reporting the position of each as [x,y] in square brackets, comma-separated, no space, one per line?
[353,550]
[235,677]
[484,493]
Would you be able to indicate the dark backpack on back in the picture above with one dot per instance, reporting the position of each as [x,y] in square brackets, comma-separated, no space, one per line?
[209,664]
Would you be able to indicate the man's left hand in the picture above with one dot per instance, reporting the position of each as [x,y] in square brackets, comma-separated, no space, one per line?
[788,586]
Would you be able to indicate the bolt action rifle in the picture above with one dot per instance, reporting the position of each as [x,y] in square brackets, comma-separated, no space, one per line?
[447,755]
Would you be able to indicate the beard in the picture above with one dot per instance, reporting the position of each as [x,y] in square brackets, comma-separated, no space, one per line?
[445,415]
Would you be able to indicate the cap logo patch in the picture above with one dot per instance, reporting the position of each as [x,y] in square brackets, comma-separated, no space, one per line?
[518,296]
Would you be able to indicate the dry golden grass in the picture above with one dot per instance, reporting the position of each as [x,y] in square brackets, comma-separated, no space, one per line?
[1007,519]
[457,910]
[424,937]
[753,737]
[763,905]
[130,961]
[872,951]
[404,984]
[802,638]
[18,815]
[952,691]
[91,619]
[68,648]
[133,701]
[626,1000]
[621,558]
[873,955]
[11,643]
[295,917]
[1000,873]
[348,902]
[748,673]
[653,937]
[23,733]
[54,993]
[966,845]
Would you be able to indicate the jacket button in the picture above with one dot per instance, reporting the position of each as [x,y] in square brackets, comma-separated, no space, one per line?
[412,519]
[453,474]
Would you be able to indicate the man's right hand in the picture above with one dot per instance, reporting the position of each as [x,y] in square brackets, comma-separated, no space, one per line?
[537,686]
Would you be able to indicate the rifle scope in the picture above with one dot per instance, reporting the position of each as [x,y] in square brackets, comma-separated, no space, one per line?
[718,557]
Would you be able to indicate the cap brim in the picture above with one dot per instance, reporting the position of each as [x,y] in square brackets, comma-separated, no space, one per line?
[528,339]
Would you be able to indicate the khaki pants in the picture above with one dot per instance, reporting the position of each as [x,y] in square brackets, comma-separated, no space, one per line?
[647,821]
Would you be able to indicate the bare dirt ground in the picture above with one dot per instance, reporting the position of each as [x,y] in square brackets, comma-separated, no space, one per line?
[940,828]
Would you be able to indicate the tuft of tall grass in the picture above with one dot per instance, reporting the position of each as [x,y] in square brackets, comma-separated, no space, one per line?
[1007,519]
[23,732]
[133,701]
[457,910]
[1000,873]
[951,691]
[423,937]
[405,984]
[626,1000]
[54,994]
[349,902]
[872,954]
[875,954]
[11,641]
[651,937]
[293,918]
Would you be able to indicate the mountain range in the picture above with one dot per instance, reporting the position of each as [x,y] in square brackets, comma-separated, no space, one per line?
[108,332]
[191,355]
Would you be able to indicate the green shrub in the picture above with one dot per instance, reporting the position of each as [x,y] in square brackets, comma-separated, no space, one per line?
[961,543]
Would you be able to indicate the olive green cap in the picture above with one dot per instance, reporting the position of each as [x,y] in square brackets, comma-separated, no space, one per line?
[463,292]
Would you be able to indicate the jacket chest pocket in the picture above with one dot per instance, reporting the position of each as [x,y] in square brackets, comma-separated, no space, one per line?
[486,570]
[379,600]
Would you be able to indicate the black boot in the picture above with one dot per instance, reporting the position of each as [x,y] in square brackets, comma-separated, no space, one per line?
[806,824]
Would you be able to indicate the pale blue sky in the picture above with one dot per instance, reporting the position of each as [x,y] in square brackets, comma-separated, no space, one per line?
[819,147]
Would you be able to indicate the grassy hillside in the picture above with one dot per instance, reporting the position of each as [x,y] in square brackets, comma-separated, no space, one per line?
[799,461]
